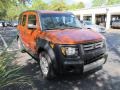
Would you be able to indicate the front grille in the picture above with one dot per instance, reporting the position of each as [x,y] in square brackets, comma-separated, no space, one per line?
[92,59]
[92,51]
[92,46]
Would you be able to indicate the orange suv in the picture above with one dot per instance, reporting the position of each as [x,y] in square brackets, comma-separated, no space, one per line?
[59,44]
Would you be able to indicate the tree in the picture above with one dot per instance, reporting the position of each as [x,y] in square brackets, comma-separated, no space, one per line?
[112,2]
[105,2]
[98,2]
[76,6]
[10,9]
[58,5]
[80,5]
[14,11]
[38,5]
[4,5]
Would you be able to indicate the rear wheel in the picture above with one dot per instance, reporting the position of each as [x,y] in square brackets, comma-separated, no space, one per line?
[46,65]
[20,45]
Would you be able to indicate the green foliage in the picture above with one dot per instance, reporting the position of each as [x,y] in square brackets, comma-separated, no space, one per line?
[4,7]
[76,6]
[105,2]
[57,5]
[3,13]
[10,9]
[3,4]
[112,2]
[98,2]
[14,11]
[38,5]
[10,75]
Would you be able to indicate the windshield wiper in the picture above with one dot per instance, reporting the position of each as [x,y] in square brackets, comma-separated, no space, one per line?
[62,28]
[71,26]
[74,27]
[54,28]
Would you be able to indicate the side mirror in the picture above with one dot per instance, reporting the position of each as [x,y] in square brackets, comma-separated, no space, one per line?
[31,26]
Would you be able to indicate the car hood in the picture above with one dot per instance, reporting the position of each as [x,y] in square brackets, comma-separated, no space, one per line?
[94,26]
[97,28]
[72,36]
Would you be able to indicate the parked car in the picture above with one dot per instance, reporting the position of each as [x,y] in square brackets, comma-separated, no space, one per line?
[1,24]
[94,27]
[56,40]
[13,23]
[115,24]
[7,23]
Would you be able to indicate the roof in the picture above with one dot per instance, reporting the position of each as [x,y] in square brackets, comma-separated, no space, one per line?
[48,11]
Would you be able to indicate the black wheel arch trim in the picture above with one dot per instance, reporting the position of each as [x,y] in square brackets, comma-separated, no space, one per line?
[45,45]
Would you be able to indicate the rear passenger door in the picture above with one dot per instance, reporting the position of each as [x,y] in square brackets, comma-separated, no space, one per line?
[23,27]
[31,33]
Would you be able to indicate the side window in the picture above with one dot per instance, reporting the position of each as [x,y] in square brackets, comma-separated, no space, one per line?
[32,19]
[24,20]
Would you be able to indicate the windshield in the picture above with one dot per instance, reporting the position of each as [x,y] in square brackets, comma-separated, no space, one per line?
[88,22]
[59,21]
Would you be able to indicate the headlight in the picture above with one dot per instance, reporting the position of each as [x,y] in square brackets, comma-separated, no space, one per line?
[69,51]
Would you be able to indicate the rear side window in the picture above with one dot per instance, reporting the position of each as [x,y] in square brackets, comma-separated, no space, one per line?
[20,19]
[24,20]
[32,19]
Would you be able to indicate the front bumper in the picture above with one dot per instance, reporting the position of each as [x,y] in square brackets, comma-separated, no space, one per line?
[80,66]
[95,64]
[82,63]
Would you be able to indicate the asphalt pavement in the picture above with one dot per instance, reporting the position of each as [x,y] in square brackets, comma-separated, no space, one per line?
[108,78]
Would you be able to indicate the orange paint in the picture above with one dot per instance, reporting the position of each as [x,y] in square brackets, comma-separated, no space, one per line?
[67,36]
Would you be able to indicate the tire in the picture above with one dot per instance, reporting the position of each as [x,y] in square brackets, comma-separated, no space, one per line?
[46,67]
[20,45]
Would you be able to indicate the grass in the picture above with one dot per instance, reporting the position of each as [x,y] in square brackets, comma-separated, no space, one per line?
[9,74]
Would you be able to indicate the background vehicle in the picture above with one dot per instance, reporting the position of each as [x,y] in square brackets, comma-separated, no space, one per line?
[115,24]
[7,23]
[13,23]
[56,40]
[89,25]
[1,24]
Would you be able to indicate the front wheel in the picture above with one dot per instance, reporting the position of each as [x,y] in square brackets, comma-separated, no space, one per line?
[46,65]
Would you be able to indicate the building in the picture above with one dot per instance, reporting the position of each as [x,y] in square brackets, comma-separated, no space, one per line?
[99,15]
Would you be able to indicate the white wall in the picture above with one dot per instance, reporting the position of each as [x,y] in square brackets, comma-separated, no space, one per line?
[110,10]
